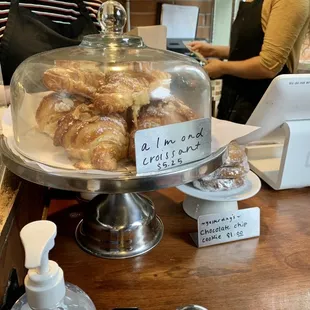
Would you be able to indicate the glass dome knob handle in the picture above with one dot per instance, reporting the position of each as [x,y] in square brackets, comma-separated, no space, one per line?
[112,17]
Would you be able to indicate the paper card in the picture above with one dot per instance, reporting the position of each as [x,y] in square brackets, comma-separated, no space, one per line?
[227,227]
[170,146]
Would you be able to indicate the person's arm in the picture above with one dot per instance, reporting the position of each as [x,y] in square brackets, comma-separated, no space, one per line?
[251,69]
[209,50]
[286,22]
[248,69]
[221,51]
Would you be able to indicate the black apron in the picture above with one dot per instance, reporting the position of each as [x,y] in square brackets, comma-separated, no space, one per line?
[27,33]
[241,96]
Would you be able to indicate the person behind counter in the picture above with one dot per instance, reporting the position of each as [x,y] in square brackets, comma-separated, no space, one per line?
[33,26]
[266,40]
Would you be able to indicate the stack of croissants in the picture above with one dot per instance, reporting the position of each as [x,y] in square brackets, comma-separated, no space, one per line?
[94,113]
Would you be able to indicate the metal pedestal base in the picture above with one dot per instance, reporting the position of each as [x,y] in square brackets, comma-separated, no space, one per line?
[119,226]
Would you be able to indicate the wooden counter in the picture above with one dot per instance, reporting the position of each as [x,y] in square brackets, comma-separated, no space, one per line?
[272,272]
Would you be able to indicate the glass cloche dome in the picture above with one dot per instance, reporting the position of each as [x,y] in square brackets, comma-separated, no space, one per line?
[79,107]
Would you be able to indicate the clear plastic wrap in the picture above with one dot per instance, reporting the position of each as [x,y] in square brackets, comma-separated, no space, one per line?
[229,176]
[217,185]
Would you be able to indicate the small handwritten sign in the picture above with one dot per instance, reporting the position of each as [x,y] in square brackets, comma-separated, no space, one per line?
[227,227]
[170,146]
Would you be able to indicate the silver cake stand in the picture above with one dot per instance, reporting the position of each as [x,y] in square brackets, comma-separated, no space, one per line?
[119,222]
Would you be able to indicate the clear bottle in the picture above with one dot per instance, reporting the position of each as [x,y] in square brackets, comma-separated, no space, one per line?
[44,283]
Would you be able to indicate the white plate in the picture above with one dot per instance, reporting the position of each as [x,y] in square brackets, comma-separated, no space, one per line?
[251,188]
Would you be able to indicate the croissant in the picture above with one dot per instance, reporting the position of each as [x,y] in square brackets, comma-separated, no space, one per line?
[73,81]
[145,67]
[141,66]
[159,113]
[92,140]
[127,89]
[121,91]
[53,107]
[84,65]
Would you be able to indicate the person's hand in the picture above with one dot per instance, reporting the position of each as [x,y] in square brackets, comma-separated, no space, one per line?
[214,68]
[204,48]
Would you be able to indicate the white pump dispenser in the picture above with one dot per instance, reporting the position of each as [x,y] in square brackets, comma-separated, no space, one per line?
[45,285]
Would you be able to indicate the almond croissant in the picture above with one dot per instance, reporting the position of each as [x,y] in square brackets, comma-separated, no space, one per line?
[53,107]
[73,81]
[127,89]
[84,65]
[95,141]
[159,113]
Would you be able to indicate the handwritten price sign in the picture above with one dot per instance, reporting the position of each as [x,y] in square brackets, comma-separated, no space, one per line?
[170,146]
[227,227]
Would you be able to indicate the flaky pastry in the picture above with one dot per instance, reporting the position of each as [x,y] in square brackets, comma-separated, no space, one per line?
[92,140]
[73,81]
[159,113]
[127,89]
[53,107]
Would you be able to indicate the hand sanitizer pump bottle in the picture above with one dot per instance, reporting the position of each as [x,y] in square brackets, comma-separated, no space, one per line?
[44,283]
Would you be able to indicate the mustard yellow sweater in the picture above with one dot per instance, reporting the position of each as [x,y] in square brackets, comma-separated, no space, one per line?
[285,23]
